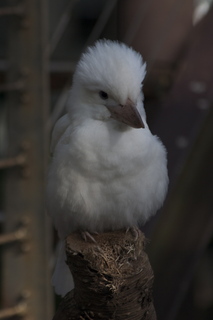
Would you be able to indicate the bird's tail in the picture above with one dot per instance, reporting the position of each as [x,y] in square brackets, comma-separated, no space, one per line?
[62,279]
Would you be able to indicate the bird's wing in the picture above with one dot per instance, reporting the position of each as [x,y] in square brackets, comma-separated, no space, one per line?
[59,129]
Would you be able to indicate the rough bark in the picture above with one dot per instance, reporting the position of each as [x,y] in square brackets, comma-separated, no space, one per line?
[113,278]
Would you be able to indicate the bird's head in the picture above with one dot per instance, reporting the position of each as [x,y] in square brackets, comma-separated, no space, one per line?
[107,84]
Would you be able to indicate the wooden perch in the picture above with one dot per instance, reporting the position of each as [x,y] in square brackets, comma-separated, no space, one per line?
[113,278]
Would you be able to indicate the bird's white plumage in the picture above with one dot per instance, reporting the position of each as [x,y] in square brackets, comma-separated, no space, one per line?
[104,174]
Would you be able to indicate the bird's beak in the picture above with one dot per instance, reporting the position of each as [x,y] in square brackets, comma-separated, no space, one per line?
[127,114]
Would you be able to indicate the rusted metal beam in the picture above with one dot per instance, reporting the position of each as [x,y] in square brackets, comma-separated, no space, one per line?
[18,310]
[18,10]
[18,85]
[19,160]
[18,235]
[26,264]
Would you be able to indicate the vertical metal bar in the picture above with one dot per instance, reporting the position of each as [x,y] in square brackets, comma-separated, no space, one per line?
[26,266]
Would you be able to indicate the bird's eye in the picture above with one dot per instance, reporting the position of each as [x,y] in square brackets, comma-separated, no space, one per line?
[103,95]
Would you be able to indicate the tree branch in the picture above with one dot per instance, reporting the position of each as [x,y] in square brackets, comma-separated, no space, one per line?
[113,278]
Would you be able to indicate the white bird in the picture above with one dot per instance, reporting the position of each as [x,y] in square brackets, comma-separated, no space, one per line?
[108,171]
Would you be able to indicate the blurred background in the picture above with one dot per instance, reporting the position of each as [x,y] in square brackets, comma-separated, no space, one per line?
[40,43]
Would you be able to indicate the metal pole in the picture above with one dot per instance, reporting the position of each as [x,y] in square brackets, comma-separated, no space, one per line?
[26,264]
